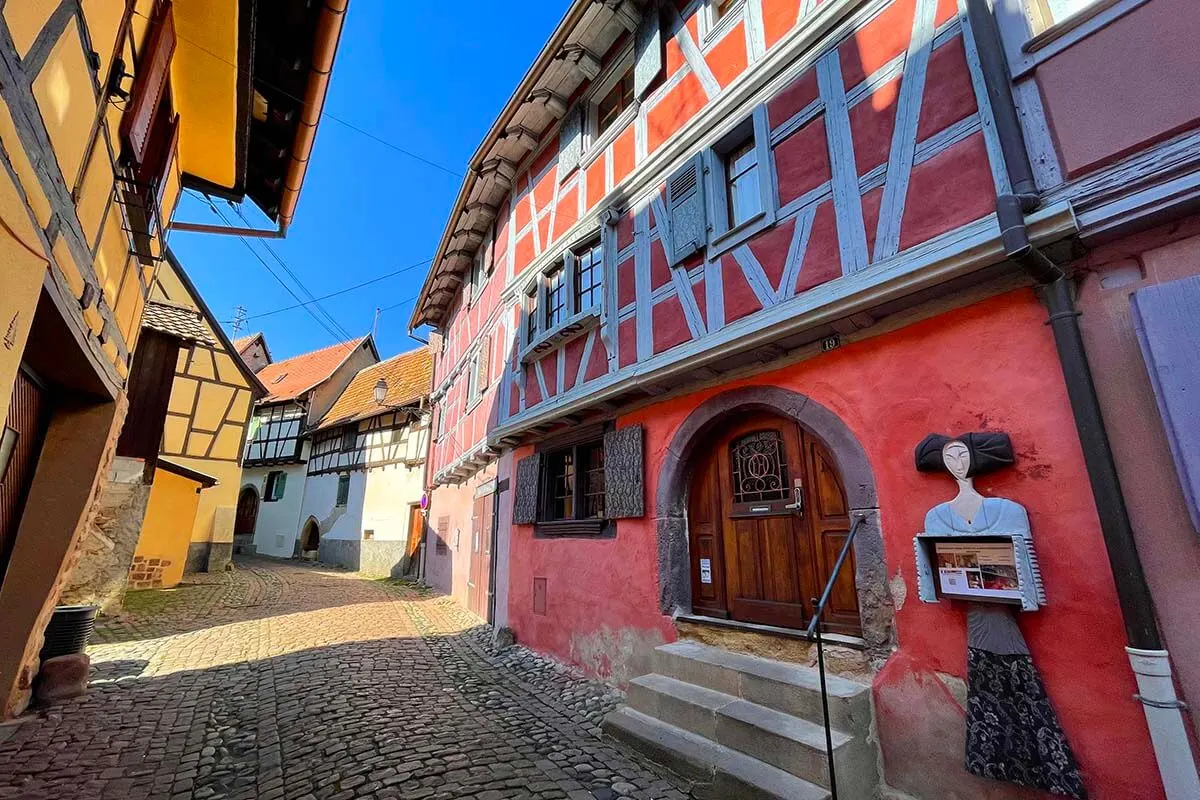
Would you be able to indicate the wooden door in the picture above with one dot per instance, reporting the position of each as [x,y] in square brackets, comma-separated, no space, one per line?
[479,578]
[20,445]
[767,516]
[247,513]
[416,528]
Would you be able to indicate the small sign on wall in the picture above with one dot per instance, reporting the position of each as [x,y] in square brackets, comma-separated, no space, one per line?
[706,570]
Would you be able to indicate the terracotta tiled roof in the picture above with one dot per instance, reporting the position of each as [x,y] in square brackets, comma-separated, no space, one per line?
[177,320]
[409,377]
[292,377]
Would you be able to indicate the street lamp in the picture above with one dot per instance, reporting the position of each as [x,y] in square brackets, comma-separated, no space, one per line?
[380,392]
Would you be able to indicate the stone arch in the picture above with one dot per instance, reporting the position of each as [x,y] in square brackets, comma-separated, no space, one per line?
[310,535]
[674,564]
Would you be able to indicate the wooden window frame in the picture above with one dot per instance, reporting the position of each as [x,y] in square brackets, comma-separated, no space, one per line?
[538,335]
[548,524]
[596,139]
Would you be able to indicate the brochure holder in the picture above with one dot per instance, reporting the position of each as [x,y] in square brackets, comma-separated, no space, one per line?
[981,567]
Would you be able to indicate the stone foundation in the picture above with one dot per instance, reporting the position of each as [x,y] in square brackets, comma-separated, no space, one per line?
[373,558]
[197,557]
[147,573]
[106,551]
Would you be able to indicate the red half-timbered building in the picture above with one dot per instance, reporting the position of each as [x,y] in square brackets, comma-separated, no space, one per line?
[716,270]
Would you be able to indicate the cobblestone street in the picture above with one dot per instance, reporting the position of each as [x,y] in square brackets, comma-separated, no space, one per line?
[281,680]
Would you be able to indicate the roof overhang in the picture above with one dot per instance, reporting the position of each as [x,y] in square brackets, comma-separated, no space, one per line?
[205,480]
[535,108]
[257,122]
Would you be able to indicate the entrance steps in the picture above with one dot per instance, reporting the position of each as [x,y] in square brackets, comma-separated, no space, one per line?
[748,727]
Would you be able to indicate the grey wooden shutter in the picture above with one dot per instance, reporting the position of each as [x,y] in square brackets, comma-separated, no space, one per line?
[1166,318]
[280,485]
[485,363]
[525,495]
[648,50]
[570,140]
[685,211]
[624,492]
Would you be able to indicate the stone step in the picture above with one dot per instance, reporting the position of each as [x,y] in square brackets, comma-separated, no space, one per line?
[789,743]
[792,688]
[720,773]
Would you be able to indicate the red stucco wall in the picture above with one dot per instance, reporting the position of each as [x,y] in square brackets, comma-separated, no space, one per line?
[991,365]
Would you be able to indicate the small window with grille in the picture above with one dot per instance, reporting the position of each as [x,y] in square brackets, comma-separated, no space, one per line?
[759,470]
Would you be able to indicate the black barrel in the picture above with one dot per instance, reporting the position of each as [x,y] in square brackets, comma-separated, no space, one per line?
[69,630]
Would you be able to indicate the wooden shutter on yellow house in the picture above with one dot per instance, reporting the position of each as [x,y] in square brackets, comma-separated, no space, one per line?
[153,72]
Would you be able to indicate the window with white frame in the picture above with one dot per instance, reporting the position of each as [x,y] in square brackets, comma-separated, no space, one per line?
[566,296]
[739,183]
[589,276]
[478,278]
[479,375]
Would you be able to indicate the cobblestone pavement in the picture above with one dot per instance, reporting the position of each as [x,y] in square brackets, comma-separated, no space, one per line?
[281,680]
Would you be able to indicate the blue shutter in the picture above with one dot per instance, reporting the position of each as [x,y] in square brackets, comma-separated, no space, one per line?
[1167,320]
[688,227]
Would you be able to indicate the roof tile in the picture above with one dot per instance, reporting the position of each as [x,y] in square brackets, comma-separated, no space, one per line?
[292,377]
[409,377]
[174,319]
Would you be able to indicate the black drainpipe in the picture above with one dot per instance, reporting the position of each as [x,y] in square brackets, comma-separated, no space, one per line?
[1057,293]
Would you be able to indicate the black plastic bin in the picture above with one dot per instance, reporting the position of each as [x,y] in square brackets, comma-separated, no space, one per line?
[69,630]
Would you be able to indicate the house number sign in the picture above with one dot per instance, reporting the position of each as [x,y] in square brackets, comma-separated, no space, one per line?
[706,570]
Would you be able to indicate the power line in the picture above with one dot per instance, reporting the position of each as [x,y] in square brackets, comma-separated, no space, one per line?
[324,113]
[344,291]
[337,337]
[296,278]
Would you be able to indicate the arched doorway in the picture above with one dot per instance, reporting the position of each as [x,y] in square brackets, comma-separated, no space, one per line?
[767,517]
[247,512]
[310,538]
[842,457]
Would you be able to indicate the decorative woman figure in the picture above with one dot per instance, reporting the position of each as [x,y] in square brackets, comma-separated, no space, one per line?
[1013,733]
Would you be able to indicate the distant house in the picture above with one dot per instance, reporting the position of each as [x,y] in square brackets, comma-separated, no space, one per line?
[366,469]
[300,392]
[253,351]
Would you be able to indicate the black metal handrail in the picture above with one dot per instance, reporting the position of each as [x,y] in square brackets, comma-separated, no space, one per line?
[814,632]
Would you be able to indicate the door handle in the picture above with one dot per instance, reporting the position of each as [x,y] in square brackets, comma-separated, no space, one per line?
[799,504]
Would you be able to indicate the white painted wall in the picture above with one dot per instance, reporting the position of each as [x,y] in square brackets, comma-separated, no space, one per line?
[320,502]
[279,521]
[390,491]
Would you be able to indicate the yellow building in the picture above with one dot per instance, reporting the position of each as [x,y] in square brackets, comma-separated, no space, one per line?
[193,500]
[108,109]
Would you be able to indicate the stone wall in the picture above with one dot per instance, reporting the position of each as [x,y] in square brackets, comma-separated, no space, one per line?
[372,558]
[106,550]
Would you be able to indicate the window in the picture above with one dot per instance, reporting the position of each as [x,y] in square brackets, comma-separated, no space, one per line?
[589,276]
[275,434]
[478,277]
[721,8]
[349,439]
[718,17]
[556,299]
[531,326]
[1046,13]
[276,482]
[724,195]
[618,98]
[742,196]
[343,489]
[479,375]
[574,480]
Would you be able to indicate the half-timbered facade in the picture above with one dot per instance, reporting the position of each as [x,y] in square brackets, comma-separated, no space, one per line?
[715,271]
[108,110]
[366,470]
[278,444]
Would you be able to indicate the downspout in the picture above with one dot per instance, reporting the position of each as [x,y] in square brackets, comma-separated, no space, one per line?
[1150,662]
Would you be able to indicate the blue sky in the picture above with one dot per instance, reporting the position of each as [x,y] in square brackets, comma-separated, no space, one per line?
[430,78]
